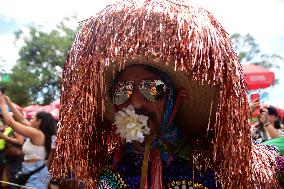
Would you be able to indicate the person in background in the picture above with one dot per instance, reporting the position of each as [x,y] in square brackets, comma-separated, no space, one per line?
[268,126]
[36,148]
[270,121]
[2,146]
[13,153]
[282,126]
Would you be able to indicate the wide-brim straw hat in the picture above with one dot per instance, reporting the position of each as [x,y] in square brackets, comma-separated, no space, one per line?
[184,41]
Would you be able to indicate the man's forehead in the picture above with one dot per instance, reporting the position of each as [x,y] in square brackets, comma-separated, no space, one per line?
[137,73]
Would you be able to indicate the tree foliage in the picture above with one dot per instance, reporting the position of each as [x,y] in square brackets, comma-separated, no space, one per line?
[36,76]
[249,52]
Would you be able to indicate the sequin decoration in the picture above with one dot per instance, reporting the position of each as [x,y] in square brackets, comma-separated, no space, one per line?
[174,174]
[184,184]
[130,169]
[110,179]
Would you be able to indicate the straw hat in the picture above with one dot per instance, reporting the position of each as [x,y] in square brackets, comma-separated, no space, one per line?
[184,41]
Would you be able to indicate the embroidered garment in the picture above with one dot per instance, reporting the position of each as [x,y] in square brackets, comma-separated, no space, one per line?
[178,174]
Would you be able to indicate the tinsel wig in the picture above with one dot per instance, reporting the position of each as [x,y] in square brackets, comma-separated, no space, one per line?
[187,43]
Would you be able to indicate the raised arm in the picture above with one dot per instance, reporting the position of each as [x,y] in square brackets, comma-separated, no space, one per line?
[16,113]
[17,139]
[27,131]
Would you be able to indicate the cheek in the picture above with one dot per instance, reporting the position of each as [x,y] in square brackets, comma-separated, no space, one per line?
[159,110]
[273,119]
[33,122]
[120,107]
[268,117]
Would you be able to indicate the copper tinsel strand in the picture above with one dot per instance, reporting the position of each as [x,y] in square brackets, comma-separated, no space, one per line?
[187,36]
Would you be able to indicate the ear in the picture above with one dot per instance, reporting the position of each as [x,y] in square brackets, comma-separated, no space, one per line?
[39,121]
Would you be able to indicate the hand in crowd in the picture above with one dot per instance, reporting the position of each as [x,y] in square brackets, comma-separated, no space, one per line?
[254,105]
[2,136]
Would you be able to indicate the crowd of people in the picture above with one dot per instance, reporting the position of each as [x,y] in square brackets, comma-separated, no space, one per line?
[27,145]
[153,96]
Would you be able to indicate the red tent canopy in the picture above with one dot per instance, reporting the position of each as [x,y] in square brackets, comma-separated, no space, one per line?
[52,108]
[257,77]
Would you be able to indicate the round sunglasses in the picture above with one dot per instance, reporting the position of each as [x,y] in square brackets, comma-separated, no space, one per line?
[152,90]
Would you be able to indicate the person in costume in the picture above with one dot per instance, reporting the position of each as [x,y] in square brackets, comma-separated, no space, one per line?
[153,96]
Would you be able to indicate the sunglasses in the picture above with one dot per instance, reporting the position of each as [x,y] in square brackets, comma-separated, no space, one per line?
[152,90]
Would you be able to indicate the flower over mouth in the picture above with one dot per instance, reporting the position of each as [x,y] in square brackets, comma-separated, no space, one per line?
[131,126]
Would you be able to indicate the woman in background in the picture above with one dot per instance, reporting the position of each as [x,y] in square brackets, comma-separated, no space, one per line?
[37,146]
[12,152]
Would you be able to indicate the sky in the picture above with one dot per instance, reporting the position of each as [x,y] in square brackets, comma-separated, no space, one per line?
[263,19]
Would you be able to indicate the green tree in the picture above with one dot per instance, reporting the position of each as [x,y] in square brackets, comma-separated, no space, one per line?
[4,77]
[36,76]
[249,52]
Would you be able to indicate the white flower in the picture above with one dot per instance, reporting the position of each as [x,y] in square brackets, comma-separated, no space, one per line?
[131,126]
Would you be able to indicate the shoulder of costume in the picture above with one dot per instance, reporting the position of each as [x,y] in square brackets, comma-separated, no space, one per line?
[109,178]
[267,164]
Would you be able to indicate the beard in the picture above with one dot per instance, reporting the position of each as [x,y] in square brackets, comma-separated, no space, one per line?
[153,122]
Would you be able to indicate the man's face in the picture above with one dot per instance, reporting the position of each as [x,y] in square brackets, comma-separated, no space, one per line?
[154,110]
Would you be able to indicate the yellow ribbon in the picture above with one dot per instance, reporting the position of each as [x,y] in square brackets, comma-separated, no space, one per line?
[144,168]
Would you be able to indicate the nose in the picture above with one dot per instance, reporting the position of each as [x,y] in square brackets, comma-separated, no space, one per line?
[136,100]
